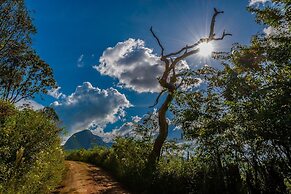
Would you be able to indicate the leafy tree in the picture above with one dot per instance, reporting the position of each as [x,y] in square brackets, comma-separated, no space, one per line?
[22,72]
[50,113]
[241,122]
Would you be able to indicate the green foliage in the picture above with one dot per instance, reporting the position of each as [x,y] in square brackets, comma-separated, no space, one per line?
[22,72]
[241,122]
[127,161]
[31,159]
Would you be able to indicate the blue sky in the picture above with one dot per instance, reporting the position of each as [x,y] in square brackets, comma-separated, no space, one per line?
[73,34]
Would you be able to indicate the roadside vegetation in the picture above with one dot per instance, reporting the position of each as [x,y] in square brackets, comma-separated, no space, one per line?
[32,159]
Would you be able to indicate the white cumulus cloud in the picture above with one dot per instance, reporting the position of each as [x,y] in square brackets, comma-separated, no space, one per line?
[136,119]
[128,129]
[269,31]
[55,92]
[88,106]
[282,31]
[133,128]
[135,66]
[29,103]
[252,2]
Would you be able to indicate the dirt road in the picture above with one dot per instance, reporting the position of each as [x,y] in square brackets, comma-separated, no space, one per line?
[84,178]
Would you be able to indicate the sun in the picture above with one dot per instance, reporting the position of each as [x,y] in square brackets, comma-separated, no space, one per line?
[205,49]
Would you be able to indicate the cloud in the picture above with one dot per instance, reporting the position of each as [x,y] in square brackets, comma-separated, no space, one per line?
[149,123]
[136,118]
[126,130]
[282,31]
[80,61]
[130,129]
[89,106]
[55,92]
[134,65]
[137,128]
[29,103]
[269,31]
[252,2]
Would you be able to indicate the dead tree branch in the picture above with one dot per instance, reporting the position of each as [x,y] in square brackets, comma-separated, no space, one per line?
[158,40]
[158,98]
[212,24]
[169,78]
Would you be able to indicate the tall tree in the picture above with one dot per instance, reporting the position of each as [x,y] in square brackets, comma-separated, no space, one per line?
[22,72]
[242,120]
[170,81]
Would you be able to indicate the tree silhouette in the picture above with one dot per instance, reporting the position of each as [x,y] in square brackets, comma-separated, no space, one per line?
[170,83]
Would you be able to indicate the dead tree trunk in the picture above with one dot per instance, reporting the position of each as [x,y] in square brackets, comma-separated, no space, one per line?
[168,81]
[163,130]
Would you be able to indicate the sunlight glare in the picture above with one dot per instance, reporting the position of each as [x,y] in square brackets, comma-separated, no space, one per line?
[205,49]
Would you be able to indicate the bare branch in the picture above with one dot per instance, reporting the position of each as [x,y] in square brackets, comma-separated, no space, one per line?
[210,37]
[222,36]
[212,25]
[192,52]
[173,78]
[157,99]
[158,40]
[181,83]
[186,48]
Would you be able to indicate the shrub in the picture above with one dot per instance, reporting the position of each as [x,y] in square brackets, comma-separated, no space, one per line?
[127,160]
[31,159]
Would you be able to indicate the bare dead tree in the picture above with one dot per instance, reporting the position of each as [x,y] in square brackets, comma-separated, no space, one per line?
[169,81]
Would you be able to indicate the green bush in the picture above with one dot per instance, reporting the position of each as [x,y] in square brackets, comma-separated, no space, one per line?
[127,160]
[31,159]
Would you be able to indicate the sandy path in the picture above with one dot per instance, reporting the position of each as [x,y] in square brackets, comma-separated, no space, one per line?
[88,179]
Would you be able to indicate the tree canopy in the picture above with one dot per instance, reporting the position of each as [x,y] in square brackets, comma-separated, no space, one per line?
[241,121]
[22,72]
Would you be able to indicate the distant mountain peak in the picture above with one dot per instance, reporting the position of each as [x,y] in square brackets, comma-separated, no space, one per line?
[84,140]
